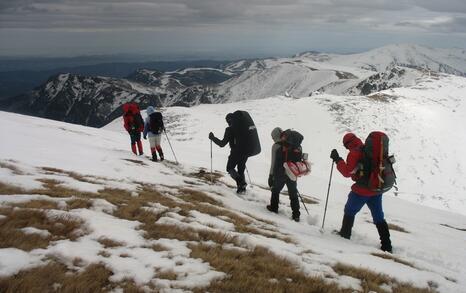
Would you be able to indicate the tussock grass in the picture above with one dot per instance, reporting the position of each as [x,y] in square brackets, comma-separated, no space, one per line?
[11,235]
[372,281]
[10,189]
[109,243]
[252,271]
[74,175]
[38,204]
[55,277]
[206,176]
[78,203]
[195,196]
[394,258]
[397,228]
[393,227]
[167,275]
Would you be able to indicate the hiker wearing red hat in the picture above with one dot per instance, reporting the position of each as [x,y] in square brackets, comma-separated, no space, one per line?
[360,194]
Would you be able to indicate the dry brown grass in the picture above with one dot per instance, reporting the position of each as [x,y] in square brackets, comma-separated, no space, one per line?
[206,176]
[384,98]
[372,281]
[167,275]
[109,243]
[10,189]
[159,247]
[55,277]
[11,235]
[74,175]
[394,258]
[252,271]
[78,203]
[394,227]
[38,204]
[195,196]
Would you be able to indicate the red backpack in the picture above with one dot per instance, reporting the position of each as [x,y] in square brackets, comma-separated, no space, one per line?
[132,117]
[376,166]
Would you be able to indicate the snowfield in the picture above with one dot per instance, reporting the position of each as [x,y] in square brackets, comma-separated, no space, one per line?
[424,123]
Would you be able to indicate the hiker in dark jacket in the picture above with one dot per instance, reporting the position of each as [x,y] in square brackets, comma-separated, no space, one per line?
[153,128]
[360,195]
[236,159]
[134,125]
[278,177]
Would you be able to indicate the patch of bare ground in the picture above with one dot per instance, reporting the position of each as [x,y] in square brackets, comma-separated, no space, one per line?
[373,282]
[456,228]
[384,98]
[55,277]
[10,189]
[394,227]
[257,270]
[137,162]
[206,176]
[74,175]
[11,167]
[394,258]
[78,203]
[16,219]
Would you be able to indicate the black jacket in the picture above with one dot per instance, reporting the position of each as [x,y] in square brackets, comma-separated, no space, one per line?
[228,137]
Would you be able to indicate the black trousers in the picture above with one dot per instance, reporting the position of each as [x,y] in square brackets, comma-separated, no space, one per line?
[238,161]
[278,184]
[135,136]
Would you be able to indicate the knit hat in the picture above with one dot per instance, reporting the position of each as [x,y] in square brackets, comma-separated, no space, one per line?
[150,110]
[276,134]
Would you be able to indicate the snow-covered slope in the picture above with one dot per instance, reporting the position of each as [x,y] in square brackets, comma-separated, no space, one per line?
[103,157]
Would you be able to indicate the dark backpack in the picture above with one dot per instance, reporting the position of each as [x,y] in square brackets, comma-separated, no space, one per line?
[156,122]
[291,146]
[376,166]
[245,133]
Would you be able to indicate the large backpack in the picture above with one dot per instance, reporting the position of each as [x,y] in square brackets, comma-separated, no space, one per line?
[292,150]
[376,167]
[132,115]
[155,122]
[294,163]
[245,133]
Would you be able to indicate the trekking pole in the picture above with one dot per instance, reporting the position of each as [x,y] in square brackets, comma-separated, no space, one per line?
[302,200]
[328,191]
[250,182]
[170,145]
[211,168]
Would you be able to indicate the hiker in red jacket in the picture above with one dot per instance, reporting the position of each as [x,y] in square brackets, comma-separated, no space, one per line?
[134,124]
[360,195]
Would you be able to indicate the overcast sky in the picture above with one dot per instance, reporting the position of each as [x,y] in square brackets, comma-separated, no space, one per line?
[225,28]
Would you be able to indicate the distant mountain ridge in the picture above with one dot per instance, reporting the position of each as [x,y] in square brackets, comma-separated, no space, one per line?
[95,101]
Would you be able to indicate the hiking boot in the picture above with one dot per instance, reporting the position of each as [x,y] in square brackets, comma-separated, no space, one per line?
[241,189]
[346,226]
[269,207]
[384,233]
[295,218]
[154,157]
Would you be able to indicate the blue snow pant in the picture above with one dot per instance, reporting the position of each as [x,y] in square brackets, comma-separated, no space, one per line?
[356,202]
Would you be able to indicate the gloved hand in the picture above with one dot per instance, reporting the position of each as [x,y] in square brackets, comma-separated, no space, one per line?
[211,136]
[270,181]
[335,156]
[144,136]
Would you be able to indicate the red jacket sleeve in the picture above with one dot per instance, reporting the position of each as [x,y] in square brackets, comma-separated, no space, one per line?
[349,168]
[126,122]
